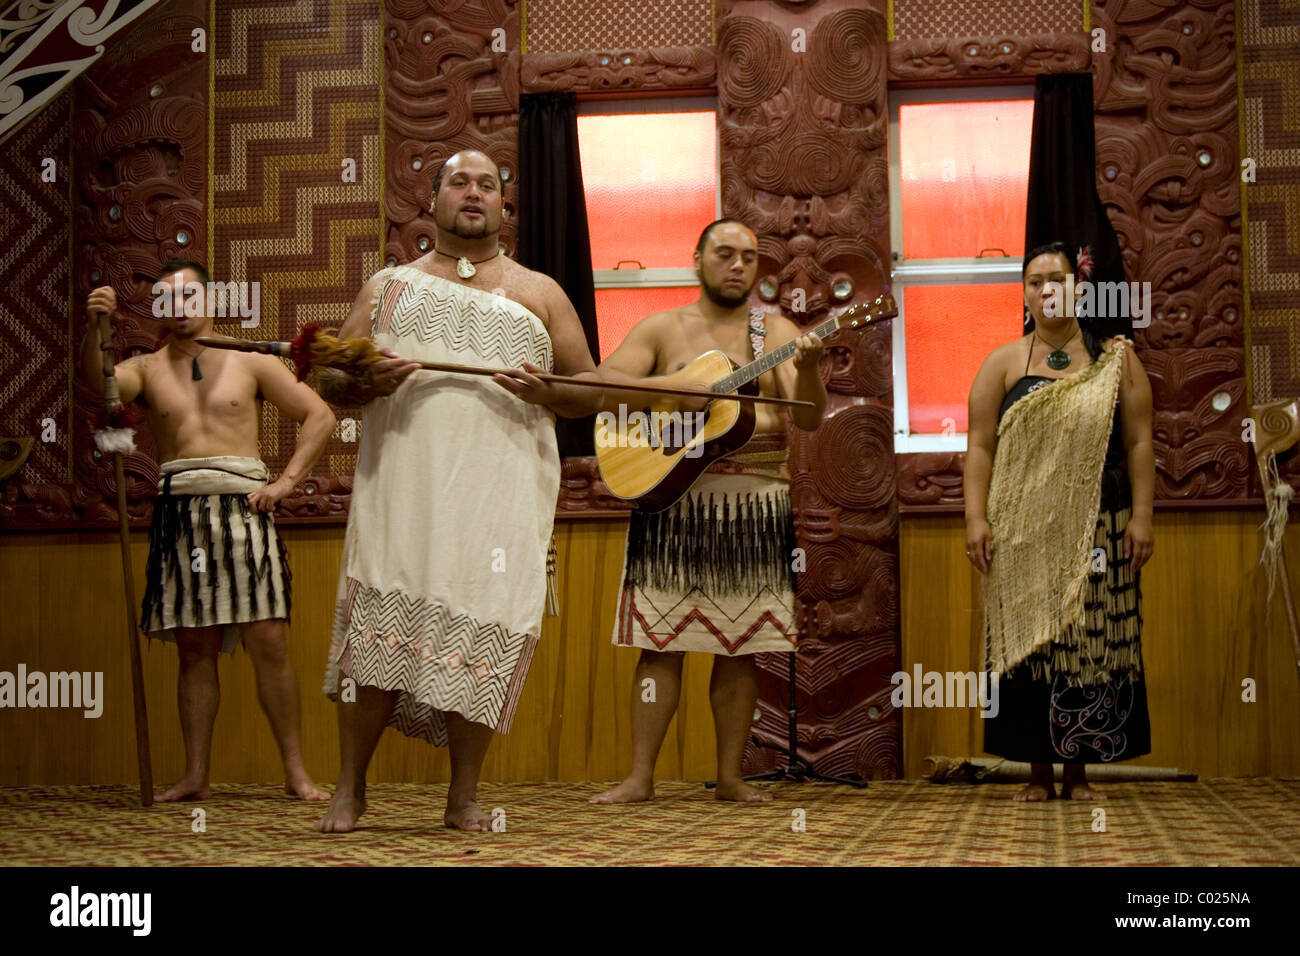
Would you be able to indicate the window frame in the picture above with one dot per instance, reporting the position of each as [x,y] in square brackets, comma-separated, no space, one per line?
[659,278]
[975,270]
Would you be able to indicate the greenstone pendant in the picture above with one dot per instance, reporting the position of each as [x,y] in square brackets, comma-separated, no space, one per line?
[1058,359]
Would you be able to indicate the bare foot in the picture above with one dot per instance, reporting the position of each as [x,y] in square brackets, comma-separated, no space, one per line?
[342,814]
[186,789]
[740,792]
[467,816]
[629,791]
[1035,793]
[1080,791]
[304,789]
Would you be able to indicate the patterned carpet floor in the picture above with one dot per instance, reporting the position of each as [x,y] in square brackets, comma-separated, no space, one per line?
[1253,821]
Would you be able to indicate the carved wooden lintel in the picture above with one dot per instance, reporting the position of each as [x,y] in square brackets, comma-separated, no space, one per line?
[659,68]
[943,58]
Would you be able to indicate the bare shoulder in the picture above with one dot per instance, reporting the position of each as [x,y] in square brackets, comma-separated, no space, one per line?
[260,368]
[535,291]
[1006,355]
[658,324]
[369,287]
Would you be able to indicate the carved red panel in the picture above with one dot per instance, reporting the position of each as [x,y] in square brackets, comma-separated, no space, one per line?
[1200,401]
[802,126]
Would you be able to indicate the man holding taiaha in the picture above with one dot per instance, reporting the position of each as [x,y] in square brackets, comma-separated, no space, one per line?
[714,573]
[444,582]
[217,571]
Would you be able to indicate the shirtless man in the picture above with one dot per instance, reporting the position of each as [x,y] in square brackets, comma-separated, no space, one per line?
[203,410]
[433,635]
[666,621]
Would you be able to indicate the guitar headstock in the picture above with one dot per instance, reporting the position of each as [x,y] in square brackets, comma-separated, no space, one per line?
[882,306]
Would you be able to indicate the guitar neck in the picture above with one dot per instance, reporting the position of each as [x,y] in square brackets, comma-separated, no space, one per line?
[768,360]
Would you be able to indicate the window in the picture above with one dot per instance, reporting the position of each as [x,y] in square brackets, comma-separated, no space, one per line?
[959,176]
[650,173]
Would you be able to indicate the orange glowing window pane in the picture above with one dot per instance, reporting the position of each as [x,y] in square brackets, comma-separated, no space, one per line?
[617,310]
[964,176]
[651,181]
[950,331]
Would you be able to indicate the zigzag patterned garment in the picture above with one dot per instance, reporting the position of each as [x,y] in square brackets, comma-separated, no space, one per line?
[444,562]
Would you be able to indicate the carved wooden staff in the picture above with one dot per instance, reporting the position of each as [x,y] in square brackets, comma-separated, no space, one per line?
[118,437]
[315,348]
[1277,428]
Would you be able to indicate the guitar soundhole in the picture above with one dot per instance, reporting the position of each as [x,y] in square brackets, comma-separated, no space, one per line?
[679,430]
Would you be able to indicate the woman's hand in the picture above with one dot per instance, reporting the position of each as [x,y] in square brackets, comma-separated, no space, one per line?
[979,543]
[1139,542]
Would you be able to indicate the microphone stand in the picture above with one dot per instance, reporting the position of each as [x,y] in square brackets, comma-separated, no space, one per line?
[797,767]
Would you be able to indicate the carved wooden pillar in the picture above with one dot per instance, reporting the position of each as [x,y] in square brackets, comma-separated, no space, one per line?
[802,124]
[139,148]
[1167,168]
[451,83]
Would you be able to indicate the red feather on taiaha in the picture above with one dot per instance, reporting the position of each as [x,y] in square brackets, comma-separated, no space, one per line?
[114,431]
[313,348]
[1085,267]
[120,416]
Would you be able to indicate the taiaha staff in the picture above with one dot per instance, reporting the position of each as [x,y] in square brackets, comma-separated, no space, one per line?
[117,436]
[313,348]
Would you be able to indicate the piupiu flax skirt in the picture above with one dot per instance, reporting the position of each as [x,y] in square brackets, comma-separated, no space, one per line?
[1045,716]
[714,572]
[213,561]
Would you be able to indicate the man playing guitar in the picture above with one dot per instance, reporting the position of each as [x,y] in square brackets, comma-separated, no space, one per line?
[714,573]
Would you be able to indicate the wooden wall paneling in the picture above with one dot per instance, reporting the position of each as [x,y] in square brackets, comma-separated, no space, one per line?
[22,757]
[1203,608]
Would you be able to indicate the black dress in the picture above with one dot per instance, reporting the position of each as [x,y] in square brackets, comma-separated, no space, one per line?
[1040,717]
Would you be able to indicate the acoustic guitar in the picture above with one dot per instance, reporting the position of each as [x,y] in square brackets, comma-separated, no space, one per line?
[653,456]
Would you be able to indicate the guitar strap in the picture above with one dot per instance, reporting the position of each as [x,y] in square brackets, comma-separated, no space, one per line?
[757,331]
